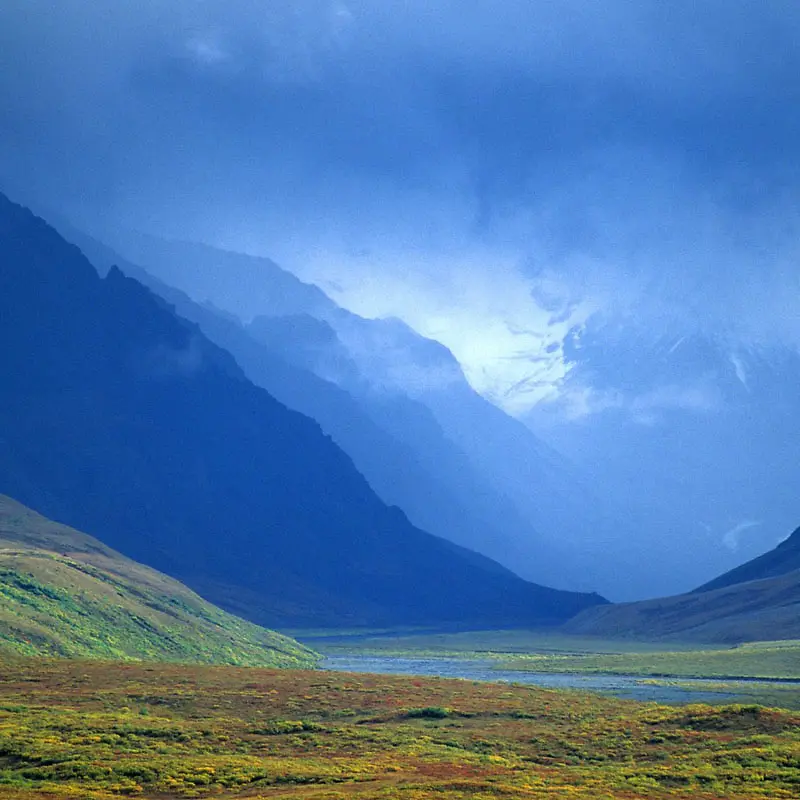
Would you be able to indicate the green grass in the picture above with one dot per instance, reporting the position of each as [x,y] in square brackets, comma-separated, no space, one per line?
[767,660]
[472,643]
[71,729]
[63,593]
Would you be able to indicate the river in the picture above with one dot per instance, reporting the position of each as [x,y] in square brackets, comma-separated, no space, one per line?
[630,687]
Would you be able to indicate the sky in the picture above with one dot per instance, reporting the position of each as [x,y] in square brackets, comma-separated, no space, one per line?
[503,176]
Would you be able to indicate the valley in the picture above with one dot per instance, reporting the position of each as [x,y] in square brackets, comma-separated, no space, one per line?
[399,401]
[764,672]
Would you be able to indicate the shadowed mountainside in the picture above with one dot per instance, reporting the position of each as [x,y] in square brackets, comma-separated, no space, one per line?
[63,593]
[122,419]
[413,474]
[527,506]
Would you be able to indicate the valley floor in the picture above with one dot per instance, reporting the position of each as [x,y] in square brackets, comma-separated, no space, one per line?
[99,730]
[757,672]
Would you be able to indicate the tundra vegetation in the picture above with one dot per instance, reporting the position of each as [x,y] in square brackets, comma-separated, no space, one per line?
[64,593]
[100,730]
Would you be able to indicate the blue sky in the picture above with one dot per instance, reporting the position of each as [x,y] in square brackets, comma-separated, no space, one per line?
[495,173]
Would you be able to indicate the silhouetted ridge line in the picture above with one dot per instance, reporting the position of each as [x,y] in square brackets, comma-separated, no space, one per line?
[121,419]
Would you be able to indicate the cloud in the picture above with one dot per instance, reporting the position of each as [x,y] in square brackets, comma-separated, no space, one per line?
[732,538]
[495,175]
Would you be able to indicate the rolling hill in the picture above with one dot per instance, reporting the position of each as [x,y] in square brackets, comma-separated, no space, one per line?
[779,561]
[63,593]
[122,419]
[758,601]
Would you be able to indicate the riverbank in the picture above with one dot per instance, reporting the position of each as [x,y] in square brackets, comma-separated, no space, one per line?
[764,672]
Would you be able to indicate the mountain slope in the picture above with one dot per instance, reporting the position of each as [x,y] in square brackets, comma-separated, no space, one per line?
[124,420]
[763,610]
[781,560]
[272,355]
[63,593]
[759,600]
[394,442]
[528,508]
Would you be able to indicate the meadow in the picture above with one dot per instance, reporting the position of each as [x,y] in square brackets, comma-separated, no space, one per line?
[477,643]
[766,660]
[91,730]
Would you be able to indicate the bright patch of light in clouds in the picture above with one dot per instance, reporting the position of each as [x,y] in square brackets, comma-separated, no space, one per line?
[508,340]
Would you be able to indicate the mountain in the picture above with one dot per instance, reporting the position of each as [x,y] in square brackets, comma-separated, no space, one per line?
[759,600]
[783,559]
[274,354]
[394,441]
[658,444]
[524,504]
[63,593]
[120,418]
[763,610]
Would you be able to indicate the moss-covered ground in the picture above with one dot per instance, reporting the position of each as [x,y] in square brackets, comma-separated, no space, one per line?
[98,730]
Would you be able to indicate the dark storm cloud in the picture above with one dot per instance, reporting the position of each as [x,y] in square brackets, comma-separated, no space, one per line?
[625,147]
[514,94]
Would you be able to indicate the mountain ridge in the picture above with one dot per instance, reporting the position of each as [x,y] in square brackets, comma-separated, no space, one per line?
[408,462]
[124,420]
[406,383]
[776,562]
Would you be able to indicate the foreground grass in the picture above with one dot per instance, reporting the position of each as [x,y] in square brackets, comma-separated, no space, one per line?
[101,730]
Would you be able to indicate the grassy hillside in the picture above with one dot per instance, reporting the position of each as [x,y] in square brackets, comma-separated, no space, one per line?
[63,593]
[90,731]
[759,610]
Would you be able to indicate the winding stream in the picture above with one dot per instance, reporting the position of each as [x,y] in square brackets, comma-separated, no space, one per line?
[630,687]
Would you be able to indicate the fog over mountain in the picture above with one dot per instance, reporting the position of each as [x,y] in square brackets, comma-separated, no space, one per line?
[594,207]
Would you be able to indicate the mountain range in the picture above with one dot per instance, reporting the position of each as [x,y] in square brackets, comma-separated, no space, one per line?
[124,420]
[507,493]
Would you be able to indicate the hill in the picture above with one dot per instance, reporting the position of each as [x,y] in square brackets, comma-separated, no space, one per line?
[764,610]
[780,560]
[120,418]
[757,601]
[63,593]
